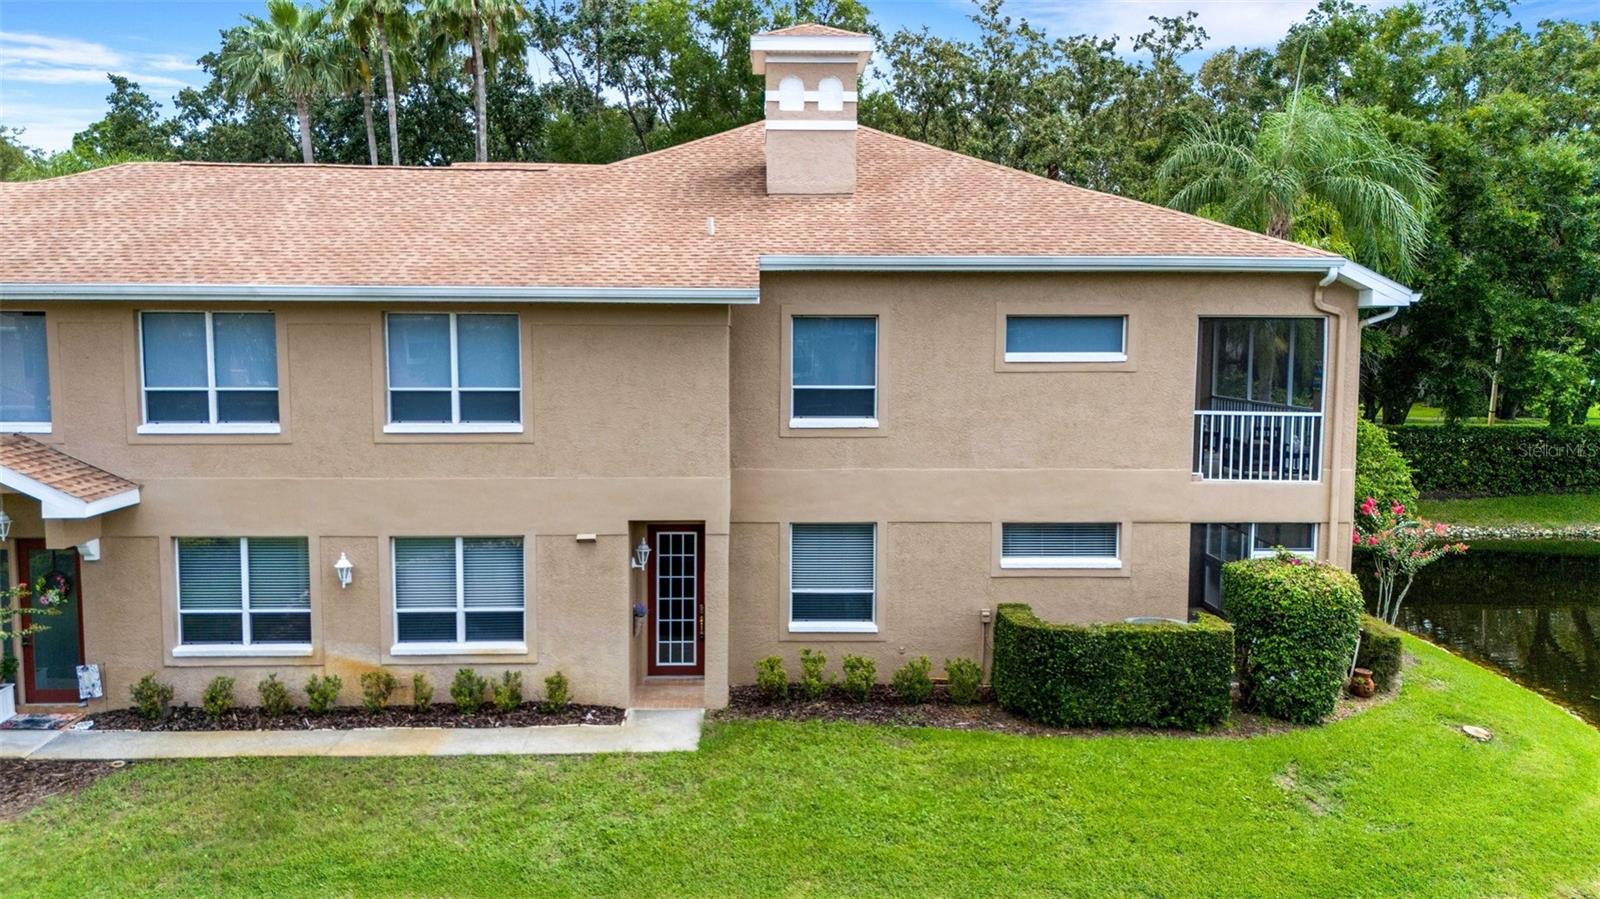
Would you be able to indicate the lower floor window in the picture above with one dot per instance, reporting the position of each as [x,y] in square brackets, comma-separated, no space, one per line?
[458,590]
[1218,544]
[1030,545]
[243,591]
[832,577]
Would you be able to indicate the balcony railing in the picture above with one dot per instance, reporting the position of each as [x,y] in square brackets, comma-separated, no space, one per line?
[1257,445]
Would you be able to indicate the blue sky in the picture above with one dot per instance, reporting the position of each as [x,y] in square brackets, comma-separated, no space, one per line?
[54,53]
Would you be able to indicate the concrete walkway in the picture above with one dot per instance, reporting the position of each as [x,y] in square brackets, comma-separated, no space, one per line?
[642,730]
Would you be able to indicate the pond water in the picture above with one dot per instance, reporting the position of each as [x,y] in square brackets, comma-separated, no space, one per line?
[1528,609]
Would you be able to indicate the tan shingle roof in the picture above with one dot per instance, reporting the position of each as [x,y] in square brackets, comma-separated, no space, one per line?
[810,29]
[53,468]
[640,222]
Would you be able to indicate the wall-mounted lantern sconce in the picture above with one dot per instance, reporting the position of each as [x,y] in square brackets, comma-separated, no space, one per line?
[641,555]
[5,525]
[344,568]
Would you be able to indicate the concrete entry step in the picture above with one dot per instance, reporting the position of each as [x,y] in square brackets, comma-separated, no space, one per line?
[670,693]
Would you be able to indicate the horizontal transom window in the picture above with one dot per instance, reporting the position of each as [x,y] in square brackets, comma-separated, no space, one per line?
[1066,338]
[454,371]
[243,591]
[832,577]
[835,372]
[209,371]
[1059,545]
[458,590]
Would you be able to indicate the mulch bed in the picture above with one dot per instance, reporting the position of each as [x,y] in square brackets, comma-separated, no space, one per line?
[747,704]
[191,718]
[24,784]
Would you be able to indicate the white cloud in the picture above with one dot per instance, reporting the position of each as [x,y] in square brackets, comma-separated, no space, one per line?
[48,126]
[1244,23]
[42,59]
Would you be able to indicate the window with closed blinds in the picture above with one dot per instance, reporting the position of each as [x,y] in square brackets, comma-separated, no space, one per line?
[832,576]
[458,590]
[243,591]
[1056,545]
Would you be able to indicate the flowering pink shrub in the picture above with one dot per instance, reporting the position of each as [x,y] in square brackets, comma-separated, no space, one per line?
[1401,546]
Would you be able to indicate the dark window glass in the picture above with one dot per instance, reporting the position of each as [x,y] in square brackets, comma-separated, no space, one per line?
[491,405]
[419,405]
[247,405]
[427,627]
[177,406]
[280,627]
[214,629]
[494,626]
[812,403]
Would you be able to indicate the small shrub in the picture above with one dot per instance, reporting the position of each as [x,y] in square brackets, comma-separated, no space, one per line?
[1382,652]
[966,680]
[421,692]
[1296,623]
[1381,471]
[772,679]
[467,690]
[275,698]
[217,700]
[1113,675]
[812,682]
[322,692]
[860,673]
[377,686]
[151,698]
[913,683]
[508,692]
[557,694]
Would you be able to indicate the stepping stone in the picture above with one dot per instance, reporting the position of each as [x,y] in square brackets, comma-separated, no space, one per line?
[1481,734]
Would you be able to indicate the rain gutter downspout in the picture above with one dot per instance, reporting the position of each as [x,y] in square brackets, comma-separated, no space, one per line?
[1384,316]
[1336,402]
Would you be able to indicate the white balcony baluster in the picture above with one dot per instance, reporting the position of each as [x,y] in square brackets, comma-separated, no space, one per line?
[1258,446]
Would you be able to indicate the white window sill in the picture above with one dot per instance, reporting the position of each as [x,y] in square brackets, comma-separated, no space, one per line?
[1270,554]
[833,627]
[459,649]
[1056,563]
[240,427]
[24,427]
[1066,357]
[440,427]
[833,422]
[239,651]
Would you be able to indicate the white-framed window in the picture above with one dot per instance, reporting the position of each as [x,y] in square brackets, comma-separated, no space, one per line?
[243,596]
[833,578]
[833,372]
[458,594]
[206,372]
[24,374]
[1299,538]
[1066,338]
[454,371]
[1060,545]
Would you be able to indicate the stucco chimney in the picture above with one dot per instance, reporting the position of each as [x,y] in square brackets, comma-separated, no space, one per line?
[811,78]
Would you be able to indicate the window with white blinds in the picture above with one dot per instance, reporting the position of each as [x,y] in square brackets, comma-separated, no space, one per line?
[458,590]
[243,591]
[1032,545]
[832,577]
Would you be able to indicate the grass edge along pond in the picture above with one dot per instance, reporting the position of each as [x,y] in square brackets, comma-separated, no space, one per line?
[1395,800]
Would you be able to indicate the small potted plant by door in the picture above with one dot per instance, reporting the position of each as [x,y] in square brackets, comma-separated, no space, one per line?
[11,627]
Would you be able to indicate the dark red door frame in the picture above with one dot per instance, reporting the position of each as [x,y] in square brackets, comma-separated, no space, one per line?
[25,576]
[698,669]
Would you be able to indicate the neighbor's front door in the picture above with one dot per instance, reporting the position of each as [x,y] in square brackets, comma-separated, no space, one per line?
[676,575]
[50,658]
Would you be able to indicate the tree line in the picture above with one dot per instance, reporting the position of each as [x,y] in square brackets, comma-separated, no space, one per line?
[1434,141]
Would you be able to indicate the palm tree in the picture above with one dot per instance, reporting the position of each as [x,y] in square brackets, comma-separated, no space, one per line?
[366,21]
[481,22]
[1312,172]
[289,52]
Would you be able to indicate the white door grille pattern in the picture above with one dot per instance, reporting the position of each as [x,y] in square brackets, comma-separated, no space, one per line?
[677,598]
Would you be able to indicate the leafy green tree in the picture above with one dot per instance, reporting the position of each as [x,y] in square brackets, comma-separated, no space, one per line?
[291,53]
[369,23]
[489,28]
[132,126]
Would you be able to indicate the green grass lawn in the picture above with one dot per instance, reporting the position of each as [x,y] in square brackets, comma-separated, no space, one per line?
[1392,801]
[1543,510]
[1432,415]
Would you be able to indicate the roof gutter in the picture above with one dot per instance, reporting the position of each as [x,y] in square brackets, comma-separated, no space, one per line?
[373,293]
[1373,289]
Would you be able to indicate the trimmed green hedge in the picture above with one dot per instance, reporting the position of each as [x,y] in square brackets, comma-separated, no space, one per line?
[1381,652]
[1296,623]
[1113,675]
[1500,461]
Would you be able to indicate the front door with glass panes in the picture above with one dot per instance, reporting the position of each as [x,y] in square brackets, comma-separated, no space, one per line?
[676,575]
[51,655]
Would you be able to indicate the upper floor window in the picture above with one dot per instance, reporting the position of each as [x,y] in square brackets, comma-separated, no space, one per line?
[453,591]
[238,592]
[1027,545]
[209,371]
[1066,338]
[832,577]
[24,373]
[835,372]
[454,372]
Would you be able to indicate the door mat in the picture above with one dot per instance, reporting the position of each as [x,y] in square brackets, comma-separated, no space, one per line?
[42,721]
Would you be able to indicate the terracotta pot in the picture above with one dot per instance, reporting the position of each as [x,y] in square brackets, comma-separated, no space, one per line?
[1362,684]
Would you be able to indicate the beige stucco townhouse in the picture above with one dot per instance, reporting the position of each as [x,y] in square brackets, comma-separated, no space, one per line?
[798,384]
